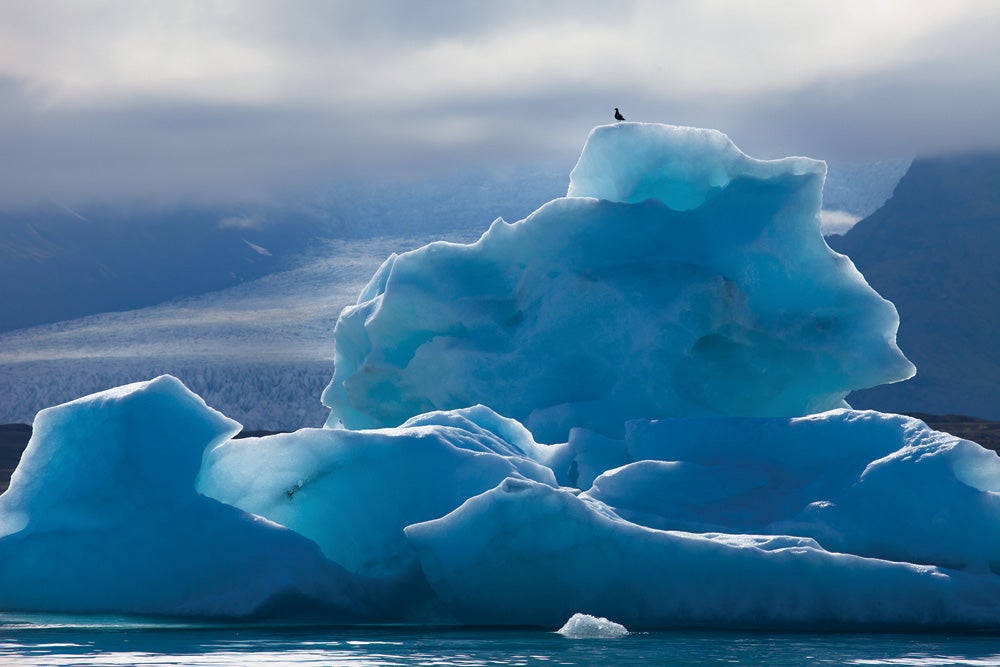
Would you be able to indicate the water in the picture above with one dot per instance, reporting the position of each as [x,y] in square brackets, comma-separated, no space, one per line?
[51,641]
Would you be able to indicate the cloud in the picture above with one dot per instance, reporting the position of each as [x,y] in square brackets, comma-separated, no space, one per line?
[222,99]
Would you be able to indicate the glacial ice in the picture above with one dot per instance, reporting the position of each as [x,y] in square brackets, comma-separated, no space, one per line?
[628,406]
[585,626]
[353,492]
[535,554]
[102,516]
[679,278]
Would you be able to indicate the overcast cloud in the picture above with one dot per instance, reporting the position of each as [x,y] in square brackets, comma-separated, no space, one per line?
[213,99]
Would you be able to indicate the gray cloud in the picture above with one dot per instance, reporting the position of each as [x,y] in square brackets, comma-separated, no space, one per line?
[223,100]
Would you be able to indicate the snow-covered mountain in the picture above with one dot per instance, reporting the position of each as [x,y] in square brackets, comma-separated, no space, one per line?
[58,263]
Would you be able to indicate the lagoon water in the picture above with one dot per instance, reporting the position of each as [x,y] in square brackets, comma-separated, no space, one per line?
[50,641]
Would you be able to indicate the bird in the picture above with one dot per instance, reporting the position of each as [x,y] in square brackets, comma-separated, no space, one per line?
[618,115]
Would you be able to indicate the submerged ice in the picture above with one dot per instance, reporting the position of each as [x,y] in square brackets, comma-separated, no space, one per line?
[627,406]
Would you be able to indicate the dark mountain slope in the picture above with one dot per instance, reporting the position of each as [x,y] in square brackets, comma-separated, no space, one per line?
[933,249]
[58,264]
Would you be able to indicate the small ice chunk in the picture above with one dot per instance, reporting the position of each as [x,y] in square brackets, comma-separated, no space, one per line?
[585,626]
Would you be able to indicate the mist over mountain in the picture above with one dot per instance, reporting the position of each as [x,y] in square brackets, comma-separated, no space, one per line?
[59,263]
[932,249]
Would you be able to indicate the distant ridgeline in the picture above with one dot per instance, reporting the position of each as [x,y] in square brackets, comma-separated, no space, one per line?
[58,263]
[933,249]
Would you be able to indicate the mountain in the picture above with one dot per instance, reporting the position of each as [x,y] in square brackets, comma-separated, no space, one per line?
[932,249]
[57,263]
[60,263]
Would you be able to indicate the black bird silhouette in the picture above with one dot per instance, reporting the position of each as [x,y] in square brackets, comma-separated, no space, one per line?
[618,115]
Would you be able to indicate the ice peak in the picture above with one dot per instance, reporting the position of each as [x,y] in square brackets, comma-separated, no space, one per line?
[678,166]
[679,278]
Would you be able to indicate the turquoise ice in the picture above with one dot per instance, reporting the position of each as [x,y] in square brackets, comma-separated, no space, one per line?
[628,406]
[679,277]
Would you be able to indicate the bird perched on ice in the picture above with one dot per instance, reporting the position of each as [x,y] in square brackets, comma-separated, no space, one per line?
[618,115]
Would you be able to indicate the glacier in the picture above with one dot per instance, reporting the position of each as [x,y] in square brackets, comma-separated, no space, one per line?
[626,409]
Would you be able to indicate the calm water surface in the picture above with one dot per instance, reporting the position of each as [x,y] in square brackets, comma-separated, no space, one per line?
[49,641]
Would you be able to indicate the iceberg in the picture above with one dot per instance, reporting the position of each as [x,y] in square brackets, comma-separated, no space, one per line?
[527,553]
[102,516]
[627,406]
[678,278]
[353,492]
[584,626]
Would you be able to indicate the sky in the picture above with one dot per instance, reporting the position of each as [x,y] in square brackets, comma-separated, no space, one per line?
[218,100]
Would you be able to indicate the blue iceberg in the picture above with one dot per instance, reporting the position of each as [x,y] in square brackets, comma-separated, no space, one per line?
[679,278]
[626,409]
[102,516]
